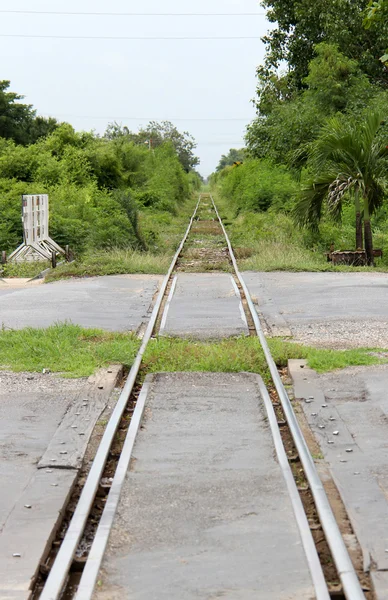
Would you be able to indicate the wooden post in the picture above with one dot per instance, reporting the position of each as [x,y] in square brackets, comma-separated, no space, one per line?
[67,253]
[3,257]
[53,259]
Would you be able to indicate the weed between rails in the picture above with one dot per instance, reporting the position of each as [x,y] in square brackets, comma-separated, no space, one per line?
[76,352]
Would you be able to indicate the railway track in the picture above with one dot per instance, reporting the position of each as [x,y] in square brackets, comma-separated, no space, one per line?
[58,577]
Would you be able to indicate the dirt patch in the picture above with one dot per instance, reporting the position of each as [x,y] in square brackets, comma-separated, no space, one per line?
[202,260]
[19,283]
[206,228]
[205,250]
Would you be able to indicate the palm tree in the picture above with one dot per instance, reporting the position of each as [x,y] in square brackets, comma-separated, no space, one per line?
[347,160]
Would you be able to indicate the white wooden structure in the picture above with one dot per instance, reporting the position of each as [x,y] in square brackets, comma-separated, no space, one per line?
[37,243]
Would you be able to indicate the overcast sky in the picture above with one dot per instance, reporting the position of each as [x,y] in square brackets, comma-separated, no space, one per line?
[90,83]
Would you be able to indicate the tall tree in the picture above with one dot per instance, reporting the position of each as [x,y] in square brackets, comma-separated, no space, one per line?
[155,134]
[232,157]
[301,24]
[184,143]
[377,18]
[334,83]
[347,160]
[15,118]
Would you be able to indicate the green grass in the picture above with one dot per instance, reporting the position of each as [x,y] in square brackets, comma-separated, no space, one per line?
[25,270]
[245,354]
[65,348]
[112,262]
[163,233]
[278,256]
[76,352]
[270,241]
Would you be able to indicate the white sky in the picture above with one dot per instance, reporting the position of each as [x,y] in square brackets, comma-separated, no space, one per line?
[92,82]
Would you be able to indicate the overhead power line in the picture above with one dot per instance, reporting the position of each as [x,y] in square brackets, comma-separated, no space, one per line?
[120,38]
[157,119]
[128,14]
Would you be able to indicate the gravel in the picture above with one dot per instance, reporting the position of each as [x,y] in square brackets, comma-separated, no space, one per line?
[46,383]
[342,334]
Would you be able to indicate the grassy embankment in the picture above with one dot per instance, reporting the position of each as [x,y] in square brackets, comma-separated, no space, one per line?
[256,201]
[76,352]
[271,242]
[165,228]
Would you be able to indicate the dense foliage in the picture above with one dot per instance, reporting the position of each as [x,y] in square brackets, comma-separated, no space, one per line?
[233,157]
[99,187]
[18,121]
[323,87]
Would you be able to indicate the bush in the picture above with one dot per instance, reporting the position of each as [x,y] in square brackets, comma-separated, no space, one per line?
[258,185]
[96,187]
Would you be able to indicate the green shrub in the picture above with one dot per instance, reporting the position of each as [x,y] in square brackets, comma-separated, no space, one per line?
[257,185]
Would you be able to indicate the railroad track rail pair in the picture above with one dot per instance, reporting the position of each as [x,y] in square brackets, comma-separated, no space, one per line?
[58,575]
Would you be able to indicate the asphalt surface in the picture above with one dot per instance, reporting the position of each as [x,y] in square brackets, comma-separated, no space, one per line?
[113,303]
[348,414]
[204,512]
[204,306]
[326,309]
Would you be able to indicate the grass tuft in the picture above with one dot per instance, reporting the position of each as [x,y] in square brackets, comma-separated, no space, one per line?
[76,352]
[65,348]
[113,262]
[24,270]
[245,355]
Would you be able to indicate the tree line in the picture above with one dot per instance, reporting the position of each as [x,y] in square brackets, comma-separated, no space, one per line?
[98,185]
[322,107]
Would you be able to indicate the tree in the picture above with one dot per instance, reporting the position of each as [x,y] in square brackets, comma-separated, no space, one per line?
[233,156]
[377,17]
[183,143]
[15,118]
[41,127]
[348,161]
[156,134]
[334,83]
[301,24]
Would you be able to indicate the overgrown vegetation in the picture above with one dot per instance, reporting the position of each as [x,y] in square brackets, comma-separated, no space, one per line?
[109,192]
[335,79]
[65,348]
[245,355]
[76,352]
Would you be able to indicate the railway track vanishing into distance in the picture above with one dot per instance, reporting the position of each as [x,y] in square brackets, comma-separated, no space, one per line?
[281,416]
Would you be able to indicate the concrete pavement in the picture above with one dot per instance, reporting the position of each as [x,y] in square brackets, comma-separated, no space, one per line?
[113,303]
[348,414]
[324,309]
[204,512]
[45,426]
[204,306]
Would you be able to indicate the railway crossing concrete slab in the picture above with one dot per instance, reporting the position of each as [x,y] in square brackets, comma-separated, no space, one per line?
[204,306]
[348,414]
[113,303]
[204,512]
[324,309]
[45,425]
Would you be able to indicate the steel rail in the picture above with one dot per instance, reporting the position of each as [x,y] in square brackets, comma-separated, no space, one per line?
[62,564]
[350,582]
[319,582]
[92,567]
